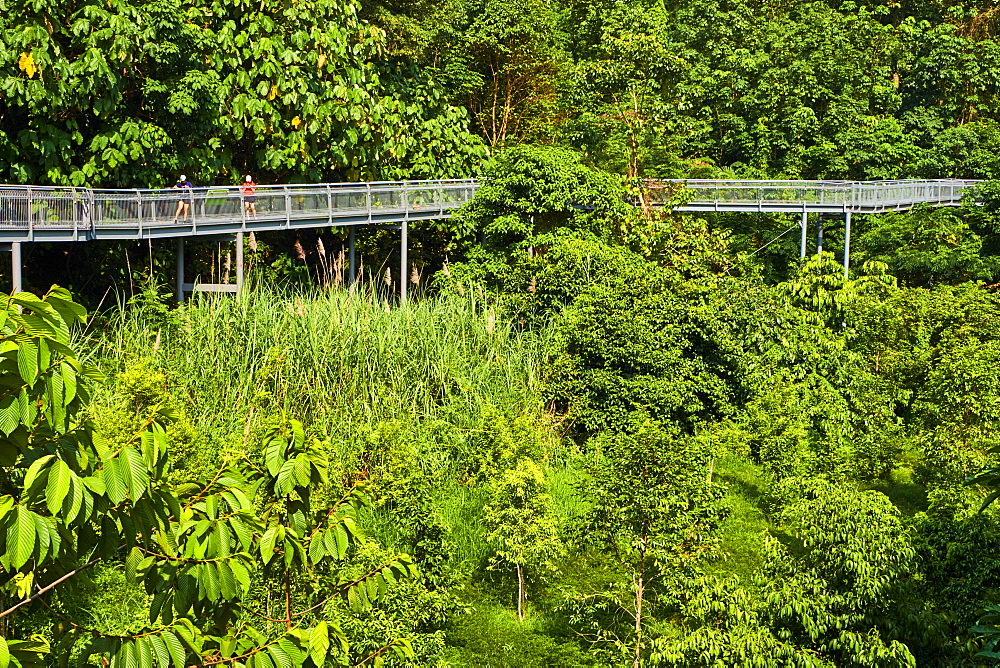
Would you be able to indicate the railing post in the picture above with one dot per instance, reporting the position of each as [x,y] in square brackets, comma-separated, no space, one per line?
[288,207]
[368,201]
[76,218]
[243,207]
[90,214]
[138,210]
[31,217]
[329,203]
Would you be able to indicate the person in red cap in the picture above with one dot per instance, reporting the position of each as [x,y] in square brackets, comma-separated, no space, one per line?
[247,190]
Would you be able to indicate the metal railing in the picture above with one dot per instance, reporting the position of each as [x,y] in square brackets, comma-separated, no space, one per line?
[29,212]
[87,212]
[857,196]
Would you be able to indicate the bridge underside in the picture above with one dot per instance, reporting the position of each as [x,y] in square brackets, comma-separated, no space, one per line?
[796,207]
[207,226]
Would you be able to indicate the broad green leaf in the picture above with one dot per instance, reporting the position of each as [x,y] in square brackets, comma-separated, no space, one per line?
[27,361]
[69,381]
[11,414]
[317,549]
[175,647]
[227,580]
[73,501]
[281,659]
[319,643]
[114,480]
[135,555]
[267,543]
[20,536]
[134,472]
[36,472]
[144,653]
[161,651]
[57,486]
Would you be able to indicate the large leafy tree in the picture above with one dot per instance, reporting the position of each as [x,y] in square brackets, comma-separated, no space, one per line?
[126,94]
[72,498]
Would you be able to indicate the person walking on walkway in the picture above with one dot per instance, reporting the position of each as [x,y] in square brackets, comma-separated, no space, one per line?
[247,191]
[184,203]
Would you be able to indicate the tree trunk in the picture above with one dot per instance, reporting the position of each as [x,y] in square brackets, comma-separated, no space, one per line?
[288,603]
[639,585]
[521,598]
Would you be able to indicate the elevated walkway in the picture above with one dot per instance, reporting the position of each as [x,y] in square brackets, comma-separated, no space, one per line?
[35,213]
[31,213]
[804,196]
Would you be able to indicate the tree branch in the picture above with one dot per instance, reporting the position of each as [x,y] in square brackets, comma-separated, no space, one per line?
[50,586]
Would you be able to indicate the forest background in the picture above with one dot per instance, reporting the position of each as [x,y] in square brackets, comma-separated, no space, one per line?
[601,435]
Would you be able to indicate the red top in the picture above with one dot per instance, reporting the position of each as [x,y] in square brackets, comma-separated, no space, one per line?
[248,188]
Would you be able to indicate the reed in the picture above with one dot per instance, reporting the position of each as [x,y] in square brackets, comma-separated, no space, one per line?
[327,356]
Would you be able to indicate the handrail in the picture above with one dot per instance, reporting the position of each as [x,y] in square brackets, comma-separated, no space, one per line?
[138,212]
[784,195]
[72,213]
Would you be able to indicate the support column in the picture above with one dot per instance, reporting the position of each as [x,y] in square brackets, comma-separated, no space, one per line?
[16,264]
[352,268]
[819,235]
[805,228]
[403,261]
[847,244]
[239,263]
[180,269]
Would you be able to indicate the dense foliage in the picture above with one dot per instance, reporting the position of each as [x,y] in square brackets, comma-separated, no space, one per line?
[601,433]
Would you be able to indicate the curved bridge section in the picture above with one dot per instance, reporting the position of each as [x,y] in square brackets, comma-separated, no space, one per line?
[31,213]
[804,196]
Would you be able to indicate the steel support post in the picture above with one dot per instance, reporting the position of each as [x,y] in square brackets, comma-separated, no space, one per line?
[819,235]
[15,266]
[847,244]
[239,263]
[352,268]
[180,269]
[402,264]
[805,228]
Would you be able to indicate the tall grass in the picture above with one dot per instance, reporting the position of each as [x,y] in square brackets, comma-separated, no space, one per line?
[333,356]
